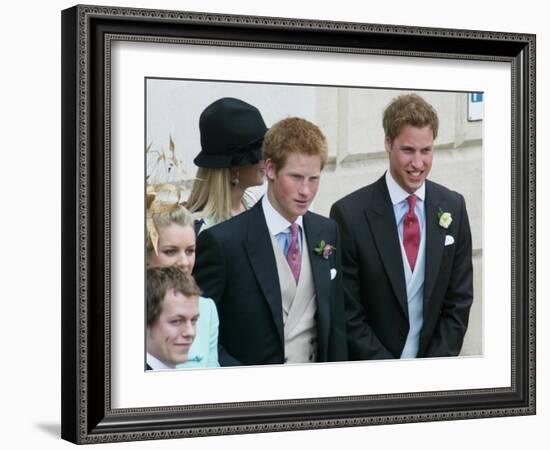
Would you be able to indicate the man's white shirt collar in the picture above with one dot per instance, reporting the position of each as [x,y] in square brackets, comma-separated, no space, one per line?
[398,194]
[157,364]
[275,222]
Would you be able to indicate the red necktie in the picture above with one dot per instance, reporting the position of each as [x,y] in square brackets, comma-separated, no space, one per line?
[411,232]
[293,256]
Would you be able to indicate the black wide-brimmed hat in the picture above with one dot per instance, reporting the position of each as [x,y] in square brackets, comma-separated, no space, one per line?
[232,132]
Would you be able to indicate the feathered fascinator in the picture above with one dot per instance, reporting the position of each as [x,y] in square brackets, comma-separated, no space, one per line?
[163,166]
[165,179]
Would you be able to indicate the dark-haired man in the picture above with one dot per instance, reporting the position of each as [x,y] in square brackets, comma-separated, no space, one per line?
[172,314]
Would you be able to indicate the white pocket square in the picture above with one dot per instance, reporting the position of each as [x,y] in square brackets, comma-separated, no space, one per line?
[332,274]
[449,240]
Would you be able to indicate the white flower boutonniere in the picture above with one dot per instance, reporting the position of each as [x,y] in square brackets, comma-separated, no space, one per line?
[445,218]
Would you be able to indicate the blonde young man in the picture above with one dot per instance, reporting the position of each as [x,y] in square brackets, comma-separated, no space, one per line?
[272,270]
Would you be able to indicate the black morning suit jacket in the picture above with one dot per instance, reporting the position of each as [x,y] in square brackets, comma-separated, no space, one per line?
[236,267]
[374,280]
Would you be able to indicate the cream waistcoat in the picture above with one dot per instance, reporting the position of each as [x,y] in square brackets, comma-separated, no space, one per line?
[299,307]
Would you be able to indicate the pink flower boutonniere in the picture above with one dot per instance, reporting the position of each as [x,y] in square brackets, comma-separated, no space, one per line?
[324,250]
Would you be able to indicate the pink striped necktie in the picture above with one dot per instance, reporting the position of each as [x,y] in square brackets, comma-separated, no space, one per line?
[293,256]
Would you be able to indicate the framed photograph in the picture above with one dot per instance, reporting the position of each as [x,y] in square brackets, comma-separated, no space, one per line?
[134,83]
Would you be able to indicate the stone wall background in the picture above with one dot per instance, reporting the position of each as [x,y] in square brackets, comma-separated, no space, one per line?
[351,119]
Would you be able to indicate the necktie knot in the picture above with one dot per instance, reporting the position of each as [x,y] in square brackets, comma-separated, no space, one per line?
[293,230]
[411,200]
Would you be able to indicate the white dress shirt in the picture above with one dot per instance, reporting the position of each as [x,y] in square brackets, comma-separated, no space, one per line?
[157,364]
[279,227]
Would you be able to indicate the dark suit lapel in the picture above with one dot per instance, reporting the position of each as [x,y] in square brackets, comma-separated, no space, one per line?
[435,239]
[320,269]
[262,260]
[380,215]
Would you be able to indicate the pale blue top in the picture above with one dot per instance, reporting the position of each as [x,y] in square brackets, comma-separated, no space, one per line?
[204,350]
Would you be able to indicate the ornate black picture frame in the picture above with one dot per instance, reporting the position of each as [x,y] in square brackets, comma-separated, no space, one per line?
[87,35]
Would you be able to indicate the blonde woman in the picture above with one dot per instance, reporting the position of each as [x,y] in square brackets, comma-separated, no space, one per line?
[171,242]
[230,161]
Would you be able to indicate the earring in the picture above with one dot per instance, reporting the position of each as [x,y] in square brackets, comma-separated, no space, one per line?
[235,179]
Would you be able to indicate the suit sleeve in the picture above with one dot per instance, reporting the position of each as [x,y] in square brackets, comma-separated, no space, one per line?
[210,272]
[453,320]
[362,340]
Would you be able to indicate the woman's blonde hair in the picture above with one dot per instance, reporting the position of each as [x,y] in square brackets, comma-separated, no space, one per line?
[180,216]
[163,209]
[211,194]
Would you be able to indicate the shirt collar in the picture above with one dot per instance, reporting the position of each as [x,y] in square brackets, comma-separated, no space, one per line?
[398,194]
[275,222]
[157,364]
